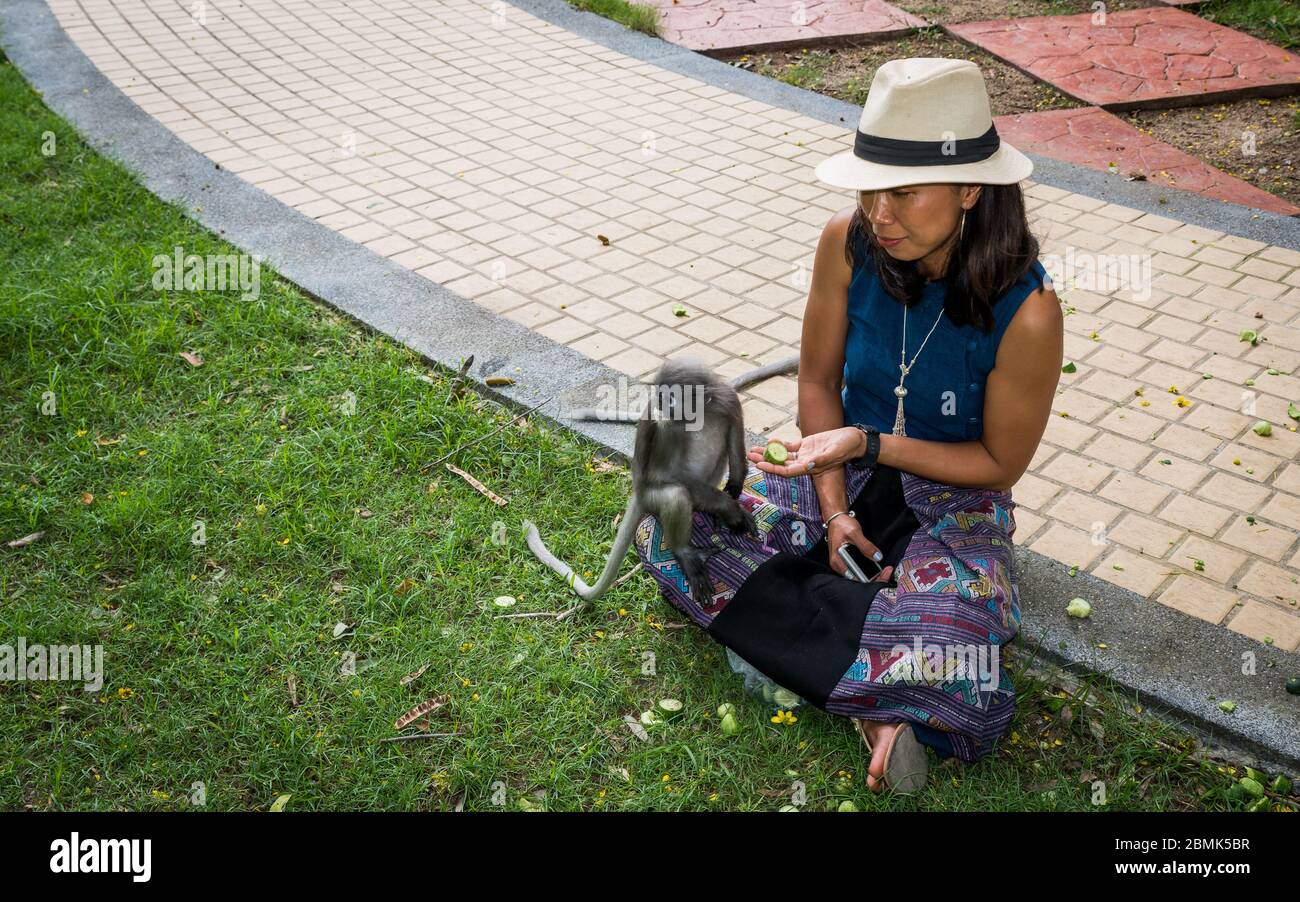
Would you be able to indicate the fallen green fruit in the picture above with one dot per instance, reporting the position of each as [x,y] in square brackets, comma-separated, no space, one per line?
[1263,427]
[729,725]
[649,719]
[504,601]
[1078,607]
[1293,412]
[1069,367]
[776,453]
[847,805]
[726,708]
[679,310]
[1258,805]
[1227,707]
[1251,786]
[669,705]
[1293,685]
[1282,785]
[1249,335]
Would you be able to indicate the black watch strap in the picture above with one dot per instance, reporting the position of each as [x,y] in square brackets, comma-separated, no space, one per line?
[872,455]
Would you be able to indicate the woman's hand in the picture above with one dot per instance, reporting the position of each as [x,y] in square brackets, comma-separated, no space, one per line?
[824,450]
[846,529]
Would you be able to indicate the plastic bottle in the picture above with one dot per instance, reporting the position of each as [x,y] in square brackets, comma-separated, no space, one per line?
[761,686]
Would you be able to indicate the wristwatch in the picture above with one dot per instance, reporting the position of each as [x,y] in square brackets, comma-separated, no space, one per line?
[872,455]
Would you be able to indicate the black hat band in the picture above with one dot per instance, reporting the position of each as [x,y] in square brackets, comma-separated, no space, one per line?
[899,152]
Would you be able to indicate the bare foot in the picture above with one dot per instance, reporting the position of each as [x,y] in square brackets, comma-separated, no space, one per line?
[879,735]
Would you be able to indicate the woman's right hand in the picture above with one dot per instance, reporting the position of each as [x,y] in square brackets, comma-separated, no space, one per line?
[846,529]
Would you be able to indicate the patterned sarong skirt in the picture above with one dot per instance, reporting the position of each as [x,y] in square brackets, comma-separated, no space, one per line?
[924,647]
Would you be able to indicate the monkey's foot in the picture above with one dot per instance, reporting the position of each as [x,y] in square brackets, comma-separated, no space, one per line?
[741,521]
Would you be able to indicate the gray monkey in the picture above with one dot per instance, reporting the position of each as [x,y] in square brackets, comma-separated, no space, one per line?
[782,367]
[675,472]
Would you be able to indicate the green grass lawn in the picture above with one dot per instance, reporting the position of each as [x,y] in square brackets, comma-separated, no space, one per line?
[221,661]
[637,16]
[1277,21]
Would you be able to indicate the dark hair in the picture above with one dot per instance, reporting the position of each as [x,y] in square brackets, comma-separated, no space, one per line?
[995,251]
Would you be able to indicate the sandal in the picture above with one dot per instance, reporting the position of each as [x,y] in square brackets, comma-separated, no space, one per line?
[906,765]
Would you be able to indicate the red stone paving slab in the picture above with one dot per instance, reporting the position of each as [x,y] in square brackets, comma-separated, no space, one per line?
[767,24]
[1139,58]
[1092,137]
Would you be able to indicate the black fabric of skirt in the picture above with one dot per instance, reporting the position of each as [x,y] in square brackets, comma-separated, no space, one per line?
[796,619]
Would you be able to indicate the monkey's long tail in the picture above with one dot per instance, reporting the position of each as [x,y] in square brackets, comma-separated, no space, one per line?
[623,541]
[780,367]
[777,368]
[592,415]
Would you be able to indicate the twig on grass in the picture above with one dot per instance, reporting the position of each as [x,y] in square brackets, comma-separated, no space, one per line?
[455,380]
[427,467]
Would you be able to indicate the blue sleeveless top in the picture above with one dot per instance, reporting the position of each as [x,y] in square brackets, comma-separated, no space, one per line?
[945,387]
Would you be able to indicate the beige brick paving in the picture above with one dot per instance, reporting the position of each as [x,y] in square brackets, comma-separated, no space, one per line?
[488,150]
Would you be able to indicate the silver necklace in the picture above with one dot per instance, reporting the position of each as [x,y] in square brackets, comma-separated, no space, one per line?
[905,368]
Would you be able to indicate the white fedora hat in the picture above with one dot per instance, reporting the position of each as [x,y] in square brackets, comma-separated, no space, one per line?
[925,121]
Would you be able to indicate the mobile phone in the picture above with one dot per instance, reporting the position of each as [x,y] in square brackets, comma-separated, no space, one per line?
[857,564]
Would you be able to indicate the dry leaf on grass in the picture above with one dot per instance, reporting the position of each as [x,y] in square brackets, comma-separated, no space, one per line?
[635,726]
[191,359]
[414,675]
[420,710]
[480,487]
[27,539]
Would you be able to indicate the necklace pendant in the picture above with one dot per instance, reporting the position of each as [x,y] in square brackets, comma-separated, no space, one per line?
[900,393]
[898,418]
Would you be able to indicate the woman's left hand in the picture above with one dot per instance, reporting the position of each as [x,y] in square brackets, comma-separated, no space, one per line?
[824,450]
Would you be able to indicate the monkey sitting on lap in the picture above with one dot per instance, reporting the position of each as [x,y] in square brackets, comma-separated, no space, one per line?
[691,433]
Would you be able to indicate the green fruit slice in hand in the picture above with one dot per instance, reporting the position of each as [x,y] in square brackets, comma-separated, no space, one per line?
[776,453]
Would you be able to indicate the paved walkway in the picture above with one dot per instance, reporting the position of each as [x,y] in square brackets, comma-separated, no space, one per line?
[489,151]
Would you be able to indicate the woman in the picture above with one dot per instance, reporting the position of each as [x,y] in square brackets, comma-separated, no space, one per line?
[931,351]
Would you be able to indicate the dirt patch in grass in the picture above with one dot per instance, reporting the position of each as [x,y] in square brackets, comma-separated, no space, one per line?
[948,12]
[845,72]
[1225,134]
